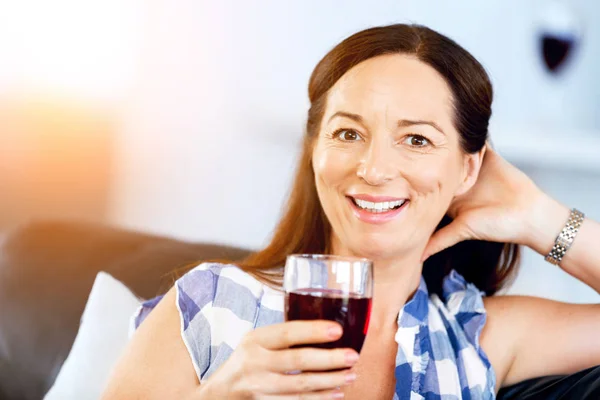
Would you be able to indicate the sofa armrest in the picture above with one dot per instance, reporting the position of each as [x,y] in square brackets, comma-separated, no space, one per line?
[583,385]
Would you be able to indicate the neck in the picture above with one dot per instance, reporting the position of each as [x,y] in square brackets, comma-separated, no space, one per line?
[395,282]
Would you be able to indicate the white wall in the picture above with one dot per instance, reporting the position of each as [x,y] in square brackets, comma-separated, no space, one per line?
[209,137]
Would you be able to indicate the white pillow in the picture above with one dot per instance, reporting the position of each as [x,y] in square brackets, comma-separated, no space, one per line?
[102,336]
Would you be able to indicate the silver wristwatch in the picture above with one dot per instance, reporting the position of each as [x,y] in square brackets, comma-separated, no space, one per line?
[565,238]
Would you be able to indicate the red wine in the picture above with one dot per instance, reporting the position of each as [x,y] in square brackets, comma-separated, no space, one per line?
[350,311]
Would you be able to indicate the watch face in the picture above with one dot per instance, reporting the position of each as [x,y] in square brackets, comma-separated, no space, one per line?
[563,242]
[559,36]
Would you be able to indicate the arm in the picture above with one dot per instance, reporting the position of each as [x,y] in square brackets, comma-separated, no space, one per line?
[548,337]
[527,337]
[155,364]
[582,260]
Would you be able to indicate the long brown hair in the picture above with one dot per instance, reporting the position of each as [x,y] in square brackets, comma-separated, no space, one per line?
[304,227]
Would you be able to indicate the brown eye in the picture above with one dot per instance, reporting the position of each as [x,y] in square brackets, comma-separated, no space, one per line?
[347,135]
[416,141]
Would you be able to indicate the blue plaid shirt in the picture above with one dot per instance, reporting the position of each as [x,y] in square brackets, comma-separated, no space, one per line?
[439,355]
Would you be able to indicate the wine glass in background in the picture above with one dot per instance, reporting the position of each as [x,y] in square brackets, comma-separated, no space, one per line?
[559,35]
[330,288]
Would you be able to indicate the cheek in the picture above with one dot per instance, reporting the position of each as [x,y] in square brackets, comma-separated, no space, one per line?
[331,167]
[435,176]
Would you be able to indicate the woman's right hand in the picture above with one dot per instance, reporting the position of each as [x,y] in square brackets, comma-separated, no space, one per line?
[259,366]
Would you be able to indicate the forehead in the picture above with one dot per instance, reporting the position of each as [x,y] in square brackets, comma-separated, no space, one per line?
[395,84]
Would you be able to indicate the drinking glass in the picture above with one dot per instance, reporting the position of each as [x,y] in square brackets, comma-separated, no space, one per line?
[330,288]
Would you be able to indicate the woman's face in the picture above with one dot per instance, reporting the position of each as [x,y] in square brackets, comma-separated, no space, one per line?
[387,159]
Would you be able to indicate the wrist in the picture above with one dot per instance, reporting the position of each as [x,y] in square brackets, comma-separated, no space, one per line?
[546,219]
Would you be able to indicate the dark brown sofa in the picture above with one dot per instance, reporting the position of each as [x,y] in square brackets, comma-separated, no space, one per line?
[46,273]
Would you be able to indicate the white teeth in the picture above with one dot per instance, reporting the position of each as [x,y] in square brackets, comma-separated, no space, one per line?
[380,207]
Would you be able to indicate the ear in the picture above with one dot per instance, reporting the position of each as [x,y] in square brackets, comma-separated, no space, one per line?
[471,168]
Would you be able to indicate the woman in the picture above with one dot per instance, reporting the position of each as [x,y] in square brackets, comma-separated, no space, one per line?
[395,147]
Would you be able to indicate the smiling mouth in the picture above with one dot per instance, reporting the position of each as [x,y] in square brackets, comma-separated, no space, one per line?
[379,207]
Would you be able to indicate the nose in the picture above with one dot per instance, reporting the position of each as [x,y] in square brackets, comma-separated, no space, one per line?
[376,166]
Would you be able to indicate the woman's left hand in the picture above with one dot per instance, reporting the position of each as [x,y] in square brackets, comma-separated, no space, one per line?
[504,205]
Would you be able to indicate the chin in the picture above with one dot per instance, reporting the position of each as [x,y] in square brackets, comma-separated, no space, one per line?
[379,248]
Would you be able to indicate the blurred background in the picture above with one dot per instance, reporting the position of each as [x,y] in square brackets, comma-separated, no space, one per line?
[184,117]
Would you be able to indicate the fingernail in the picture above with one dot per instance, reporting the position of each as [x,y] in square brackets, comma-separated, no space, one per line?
[334,331]
[337,395]
[351,377]
[351,358]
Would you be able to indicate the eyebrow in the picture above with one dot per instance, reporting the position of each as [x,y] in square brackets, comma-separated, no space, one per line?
[403,123]
[354,117]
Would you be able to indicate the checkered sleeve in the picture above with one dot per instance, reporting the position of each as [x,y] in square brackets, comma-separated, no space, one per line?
[195,294]
[218,304]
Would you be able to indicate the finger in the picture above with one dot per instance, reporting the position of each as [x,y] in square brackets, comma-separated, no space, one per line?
[308,382]
[311,359]
[320,395]
[444,238]
[282,336]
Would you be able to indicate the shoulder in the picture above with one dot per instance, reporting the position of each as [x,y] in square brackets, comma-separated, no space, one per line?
[510,318]
[462,299]
[460,310]
[217,284]
[510,306]
[194,290]
[217,304]
[531,336]
[214,270]
[222,289]
[456,320]
[208,277]
[501,332]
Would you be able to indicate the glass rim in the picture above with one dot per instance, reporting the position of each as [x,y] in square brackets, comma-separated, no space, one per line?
[332,257]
